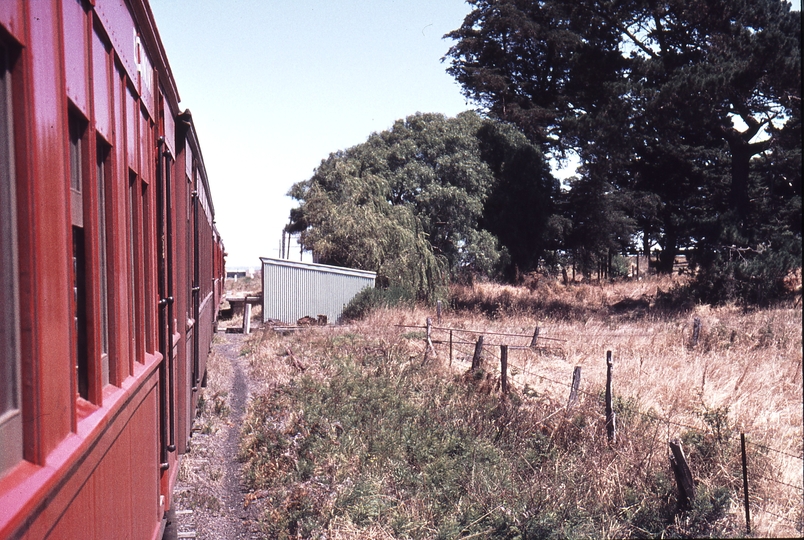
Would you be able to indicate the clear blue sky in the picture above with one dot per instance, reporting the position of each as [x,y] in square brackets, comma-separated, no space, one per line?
[276,85]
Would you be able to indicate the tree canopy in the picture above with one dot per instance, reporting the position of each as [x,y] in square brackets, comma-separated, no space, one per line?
[431,198]
[685,115]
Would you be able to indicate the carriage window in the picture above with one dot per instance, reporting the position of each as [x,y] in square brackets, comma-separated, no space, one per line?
[104,276]
[135,264]
[77,173]
[10,418]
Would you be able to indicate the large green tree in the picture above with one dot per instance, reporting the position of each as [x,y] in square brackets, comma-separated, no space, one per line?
[691,106]
[429,199]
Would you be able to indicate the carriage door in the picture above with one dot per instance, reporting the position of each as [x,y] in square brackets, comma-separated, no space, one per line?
[167,374]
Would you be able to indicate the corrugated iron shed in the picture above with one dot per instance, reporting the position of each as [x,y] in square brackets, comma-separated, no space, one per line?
[292,290]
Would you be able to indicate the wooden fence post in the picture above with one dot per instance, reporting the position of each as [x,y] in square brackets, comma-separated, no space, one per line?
[611,416]
[535,337]
[745,485]
[438,311]
[504,369]
[681,470]
[696,331]
[477,359]
[246,317]
[430,348]
[576,381]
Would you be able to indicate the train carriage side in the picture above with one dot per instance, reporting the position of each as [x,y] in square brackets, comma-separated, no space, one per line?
[199,273]
[110,271]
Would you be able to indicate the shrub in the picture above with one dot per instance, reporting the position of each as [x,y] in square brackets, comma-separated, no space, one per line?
[620,266]
[749,276]
[373,298]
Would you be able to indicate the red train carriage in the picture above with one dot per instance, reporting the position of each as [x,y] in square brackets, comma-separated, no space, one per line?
[111,271]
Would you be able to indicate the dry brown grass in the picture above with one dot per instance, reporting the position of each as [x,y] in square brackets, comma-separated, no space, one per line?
[239,286]
[200,474]
[748,362]
[746,371]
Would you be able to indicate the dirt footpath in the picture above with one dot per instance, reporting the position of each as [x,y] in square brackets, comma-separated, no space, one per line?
[209,497]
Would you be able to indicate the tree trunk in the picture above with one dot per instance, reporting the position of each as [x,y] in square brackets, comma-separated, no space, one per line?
[669,251]
[740,168]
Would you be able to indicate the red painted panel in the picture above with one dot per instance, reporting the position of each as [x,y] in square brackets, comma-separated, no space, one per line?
[11,18]
[119,25]
[120,223]
[49,239]
[76,57]
[94,472]
[112,510]
[144,472]
[85,505]
[129,442]
[101,86]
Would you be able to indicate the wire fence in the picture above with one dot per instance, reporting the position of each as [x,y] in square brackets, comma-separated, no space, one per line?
[491,360]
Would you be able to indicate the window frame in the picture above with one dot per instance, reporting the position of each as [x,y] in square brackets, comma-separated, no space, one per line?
[105,247]
[11,432]
[81,268]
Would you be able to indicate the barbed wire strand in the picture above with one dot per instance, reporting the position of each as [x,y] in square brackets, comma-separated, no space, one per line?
[774,450]
[651,417]
[757,507]
[760,477]
[480,332]
[592,395]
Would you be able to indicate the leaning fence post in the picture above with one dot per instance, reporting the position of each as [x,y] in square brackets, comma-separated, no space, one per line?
[477,359]
[745,485]
[576,381]
[430,348]
[681,470]
[611,416]
[504,369]
[535,337]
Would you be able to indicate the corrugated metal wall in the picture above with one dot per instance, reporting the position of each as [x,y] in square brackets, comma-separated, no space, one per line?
[292,290]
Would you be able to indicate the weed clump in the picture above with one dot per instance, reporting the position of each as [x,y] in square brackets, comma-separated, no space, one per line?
[372,298]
